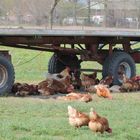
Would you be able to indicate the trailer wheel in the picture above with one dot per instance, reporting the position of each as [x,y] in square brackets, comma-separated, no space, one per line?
[119,64]
[58,62]
[7,76]
[106,66]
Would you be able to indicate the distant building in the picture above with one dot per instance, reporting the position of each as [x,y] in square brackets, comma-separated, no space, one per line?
[116,13]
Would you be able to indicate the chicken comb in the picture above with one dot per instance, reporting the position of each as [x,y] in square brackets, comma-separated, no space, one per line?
[94,112]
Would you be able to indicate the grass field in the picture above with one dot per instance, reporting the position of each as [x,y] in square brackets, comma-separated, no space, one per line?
[33,118]
[46,119]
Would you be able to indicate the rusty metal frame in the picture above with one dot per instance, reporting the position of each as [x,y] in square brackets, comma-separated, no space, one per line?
[91,52]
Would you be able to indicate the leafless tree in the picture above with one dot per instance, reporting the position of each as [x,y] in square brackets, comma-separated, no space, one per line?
[52,11]
[89,11]
[40,10]
[43,12]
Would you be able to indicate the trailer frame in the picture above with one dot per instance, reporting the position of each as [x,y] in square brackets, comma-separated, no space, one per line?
[89,44]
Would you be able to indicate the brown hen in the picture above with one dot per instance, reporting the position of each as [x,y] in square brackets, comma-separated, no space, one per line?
[77,118]
[103,91]
[98,123]
[107,80]
[77,96]
[87,81]
[129,84]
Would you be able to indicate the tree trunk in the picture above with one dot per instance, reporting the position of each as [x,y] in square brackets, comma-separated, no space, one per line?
[89,11]
[52,11]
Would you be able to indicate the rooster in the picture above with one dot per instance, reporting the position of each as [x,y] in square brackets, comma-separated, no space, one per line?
[77,118]
[103,91]
[98,123]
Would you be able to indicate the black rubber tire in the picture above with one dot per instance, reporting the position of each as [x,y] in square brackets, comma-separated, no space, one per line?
[116,59]
[106,66]
[58,62]
[7,66]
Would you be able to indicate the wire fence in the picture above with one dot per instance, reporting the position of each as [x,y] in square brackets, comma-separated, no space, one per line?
[94,13]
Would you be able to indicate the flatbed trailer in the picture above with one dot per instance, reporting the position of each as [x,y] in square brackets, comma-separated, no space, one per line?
[89,43]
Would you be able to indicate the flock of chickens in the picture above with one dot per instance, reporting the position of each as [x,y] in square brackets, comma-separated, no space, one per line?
[95,122]
[66,82]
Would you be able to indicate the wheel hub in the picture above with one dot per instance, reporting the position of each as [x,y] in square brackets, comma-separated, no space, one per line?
[124,68]
[3,76]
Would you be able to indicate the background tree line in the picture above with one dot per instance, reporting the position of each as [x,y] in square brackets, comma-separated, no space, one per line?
[106,13]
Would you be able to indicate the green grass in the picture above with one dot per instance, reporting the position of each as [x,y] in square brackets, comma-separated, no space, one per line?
[46,119]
